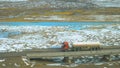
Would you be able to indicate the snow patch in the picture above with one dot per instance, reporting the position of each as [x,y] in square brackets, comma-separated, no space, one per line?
[33,64]
[26,61]
[59,64]
[2,60]
[4,65]
[99,63]
[17,65]
[45,18]
[55,64]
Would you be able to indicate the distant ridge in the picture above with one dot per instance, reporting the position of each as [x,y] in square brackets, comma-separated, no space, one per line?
[13,0]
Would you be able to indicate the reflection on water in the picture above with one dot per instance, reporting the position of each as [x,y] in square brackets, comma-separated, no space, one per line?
[7,34]
[54,23]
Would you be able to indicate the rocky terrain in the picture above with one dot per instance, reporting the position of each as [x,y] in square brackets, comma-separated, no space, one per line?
[22,62]
[68,10]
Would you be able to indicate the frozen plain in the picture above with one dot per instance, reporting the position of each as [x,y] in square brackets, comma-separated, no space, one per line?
[19,38]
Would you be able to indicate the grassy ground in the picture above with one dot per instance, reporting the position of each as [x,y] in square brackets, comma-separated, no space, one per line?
[14,14]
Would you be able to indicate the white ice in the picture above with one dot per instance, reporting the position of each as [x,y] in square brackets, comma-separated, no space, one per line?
[54,36]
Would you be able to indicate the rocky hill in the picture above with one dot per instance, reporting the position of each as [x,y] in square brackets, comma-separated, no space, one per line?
[65,8]
[47,4]
[60,3]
